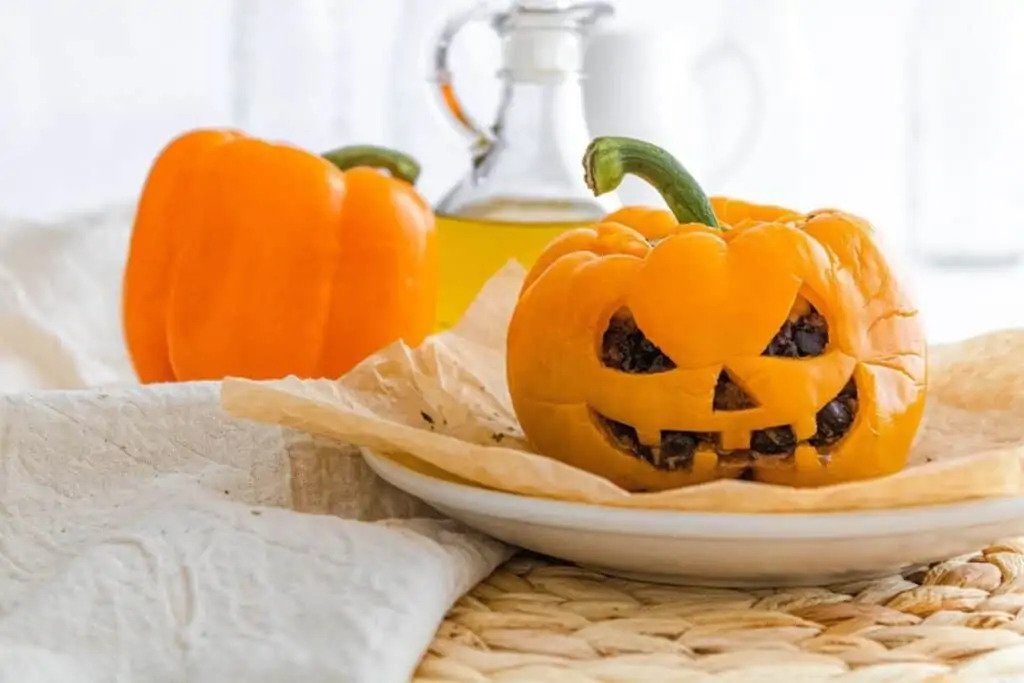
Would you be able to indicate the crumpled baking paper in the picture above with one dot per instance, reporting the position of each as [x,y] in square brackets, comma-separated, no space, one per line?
[145,536]
[443,409]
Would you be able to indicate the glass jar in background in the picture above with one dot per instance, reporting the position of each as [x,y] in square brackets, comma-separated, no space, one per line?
[413,122]
[965,133]
[525,182]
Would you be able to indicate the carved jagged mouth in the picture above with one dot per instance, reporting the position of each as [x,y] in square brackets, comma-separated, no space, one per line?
[676,449]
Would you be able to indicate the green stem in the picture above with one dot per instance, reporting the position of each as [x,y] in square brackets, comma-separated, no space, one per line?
[397,164]
[608,159]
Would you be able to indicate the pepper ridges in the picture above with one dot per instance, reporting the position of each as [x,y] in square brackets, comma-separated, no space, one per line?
[800,312]
[262,260]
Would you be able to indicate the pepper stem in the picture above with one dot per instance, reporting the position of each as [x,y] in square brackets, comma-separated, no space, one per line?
[608,159]
[396,163]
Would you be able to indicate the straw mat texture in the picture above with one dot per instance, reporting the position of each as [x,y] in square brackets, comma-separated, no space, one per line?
[537,620]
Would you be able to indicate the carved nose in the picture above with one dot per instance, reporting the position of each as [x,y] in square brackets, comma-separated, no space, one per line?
[731,396]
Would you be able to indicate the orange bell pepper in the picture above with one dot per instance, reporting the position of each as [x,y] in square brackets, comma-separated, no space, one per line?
[721,340]
[262,260]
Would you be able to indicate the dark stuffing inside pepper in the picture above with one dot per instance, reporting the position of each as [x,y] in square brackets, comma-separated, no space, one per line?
[804,334]
[625,347]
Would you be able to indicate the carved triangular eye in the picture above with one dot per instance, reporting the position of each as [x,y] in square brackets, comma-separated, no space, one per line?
[803,334]
[625,347]
[731,396]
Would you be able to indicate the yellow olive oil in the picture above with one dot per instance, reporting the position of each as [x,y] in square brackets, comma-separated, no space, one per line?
[473,249]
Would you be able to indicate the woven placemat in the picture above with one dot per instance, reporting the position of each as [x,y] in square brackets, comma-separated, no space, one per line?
[538,620]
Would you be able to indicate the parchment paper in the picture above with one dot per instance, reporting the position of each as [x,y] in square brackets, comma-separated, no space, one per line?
[446,405]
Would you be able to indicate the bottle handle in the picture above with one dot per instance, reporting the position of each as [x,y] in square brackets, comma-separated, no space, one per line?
[481,136]
[750,129]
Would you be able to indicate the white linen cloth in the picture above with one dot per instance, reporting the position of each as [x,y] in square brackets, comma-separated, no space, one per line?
[60,302]
[144,536]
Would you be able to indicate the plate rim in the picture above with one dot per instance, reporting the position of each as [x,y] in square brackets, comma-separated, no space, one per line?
[678,523]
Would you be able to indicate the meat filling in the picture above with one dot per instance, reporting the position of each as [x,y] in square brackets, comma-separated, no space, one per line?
[625,347]
[773,441]
[836,418]
[804,334]
[675,452]
[730,396]
[676,448]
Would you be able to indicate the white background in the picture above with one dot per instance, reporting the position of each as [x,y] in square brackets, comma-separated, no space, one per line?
[909,112]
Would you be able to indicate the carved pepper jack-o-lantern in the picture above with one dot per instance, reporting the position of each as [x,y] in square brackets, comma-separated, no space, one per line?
[732,340]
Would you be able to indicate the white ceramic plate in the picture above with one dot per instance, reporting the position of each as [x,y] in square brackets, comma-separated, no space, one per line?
[720,549]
